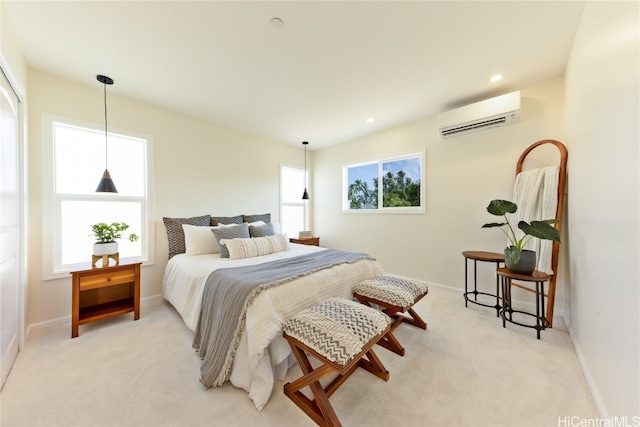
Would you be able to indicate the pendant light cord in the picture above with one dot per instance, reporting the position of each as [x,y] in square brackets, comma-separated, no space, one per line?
[106,148]
[305,195]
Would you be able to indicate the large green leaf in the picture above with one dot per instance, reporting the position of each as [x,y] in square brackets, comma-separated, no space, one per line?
[541,229]
[501,207]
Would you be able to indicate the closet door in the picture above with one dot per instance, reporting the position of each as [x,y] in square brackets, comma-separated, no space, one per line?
[9,226]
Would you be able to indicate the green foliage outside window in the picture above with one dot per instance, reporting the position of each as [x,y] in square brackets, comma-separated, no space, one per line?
[361,197]
[397,190]
[400,190]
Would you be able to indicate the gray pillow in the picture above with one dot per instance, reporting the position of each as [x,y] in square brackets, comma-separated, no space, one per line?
[215,220]
[257,217]
[240,231]
[262,230]
[175,233]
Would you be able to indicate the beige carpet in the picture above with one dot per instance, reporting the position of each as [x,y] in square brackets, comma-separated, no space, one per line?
[465,370]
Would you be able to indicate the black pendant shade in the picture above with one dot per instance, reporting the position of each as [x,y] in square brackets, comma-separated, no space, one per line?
[106,184]
[305,195]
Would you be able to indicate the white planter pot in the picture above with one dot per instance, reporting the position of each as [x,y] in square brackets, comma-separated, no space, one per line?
[105,248]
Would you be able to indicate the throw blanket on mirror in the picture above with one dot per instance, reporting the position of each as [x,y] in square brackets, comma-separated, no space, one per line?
[536,194]
[227,294]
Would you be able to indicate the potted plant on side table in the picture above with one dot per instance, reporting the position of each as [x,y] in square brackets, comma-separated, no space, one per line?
[106,235]
[517,259]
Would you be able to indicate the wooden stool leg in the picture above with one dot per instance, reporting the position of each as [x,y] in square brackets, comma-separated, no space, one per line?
[391,343]
[412,318]
[374,365]
[319,409]
[415,319]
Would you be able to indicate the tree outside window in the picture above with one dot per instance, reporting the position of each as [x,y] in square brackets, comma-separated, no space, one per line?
[401,179]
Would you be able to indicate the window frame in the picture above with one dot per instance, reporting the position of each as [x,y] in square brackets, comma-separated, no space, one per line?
[52,267]
[303,203]
[379,161]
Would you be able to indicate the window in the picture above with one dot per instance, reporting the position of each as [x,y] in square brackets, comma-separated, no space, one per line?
[293,210]
[401,178]
[74,161]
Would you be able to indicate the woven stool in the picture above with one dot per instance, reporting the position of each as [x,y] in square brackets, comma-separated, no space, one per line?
[396,296]
[340,334]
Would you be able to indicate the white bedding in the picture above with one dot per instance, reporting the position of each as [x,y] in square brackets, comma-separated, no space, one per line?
[263,355]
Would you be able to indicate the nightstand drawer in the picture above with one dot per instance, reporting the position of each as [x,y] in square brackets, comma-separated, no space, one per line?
[108,279]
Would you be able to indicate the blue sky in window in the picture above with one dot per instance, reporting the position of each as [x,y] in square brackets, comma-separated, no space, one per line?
[411,168]
[365,173]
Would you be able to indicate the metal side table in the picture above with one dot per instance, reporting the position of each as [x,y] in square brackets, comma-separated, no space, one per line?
[537,277]
[483,256]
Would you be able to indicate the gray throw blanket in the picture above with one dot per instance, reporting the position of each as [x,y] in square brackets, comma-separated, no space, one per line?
[227,294]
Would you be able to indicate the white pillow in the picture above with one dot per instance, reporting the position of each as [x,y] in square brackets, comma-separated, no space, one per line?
[199,240]
[256,246]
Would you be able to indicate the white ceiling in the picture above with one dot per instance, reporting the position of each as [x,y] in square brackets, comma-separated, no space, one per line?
[330,67]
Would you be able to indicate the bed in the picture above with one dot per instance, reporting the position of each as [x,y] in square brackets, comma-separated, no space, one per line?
[260,354]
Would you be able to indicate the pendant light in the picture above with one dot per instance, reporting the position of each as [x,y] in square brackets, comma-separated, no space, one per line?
[106,184]
[305,195]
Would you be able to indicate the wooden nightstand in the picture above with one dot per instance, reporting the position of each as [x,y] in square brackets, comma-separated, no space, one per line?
[313,241]
[103,292]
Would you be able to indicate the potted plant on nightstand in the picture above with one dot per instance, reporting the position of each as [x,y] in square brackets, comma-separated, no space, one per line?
[106,235]
[517,259]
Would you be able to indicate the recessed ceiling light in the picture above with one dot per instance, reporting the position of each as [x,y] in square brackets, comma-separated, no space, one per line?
[496,78]
[370,120]
[277,23]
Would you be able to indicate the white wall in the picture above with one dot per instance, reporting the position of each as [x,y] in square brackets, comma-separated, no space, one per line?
[10,48]
[602,117]
[200,168]
[462,175]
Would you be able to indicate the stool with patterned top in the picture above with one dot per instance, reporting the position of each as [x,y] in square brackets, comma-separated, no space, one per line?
[340,334]
[396,296]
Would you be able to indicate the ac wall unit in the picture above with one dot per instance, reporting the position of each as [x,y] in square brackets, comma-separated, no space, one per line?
[490,113]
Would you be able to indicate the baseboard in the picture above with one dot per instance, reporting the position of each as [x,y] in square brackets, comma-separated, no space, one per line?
[591,384]
[66,320]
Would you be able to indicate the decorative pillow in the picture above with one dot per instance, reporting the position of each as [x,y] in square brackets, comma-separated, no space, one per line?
[175,234]
[199,240]
[226,220]
[257,246]
[266,218]
[261,230]
[240,231]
